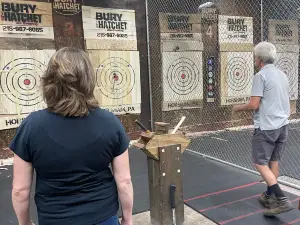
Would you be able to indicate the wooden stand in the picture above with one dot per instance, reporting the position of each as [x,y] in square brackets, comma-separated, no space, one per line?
[164,153]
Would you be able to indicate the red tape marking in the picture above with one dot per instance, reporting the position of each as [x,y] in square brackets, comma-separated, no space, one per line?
[228,203]
[247,215]
[223,191]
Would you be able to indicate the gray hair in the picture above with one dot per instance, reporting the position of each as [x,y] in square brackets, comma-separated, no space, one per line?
[266,52]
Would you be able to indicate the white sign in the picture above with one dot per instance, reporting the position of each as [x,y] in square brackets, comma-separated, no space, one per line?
[26,19]
[111,24]
[235,29]
[11,122]
[283,32]
[124,109]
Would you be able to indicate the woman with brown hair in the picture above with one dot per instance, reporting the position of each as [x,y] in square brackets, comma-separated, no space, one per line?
[71,145]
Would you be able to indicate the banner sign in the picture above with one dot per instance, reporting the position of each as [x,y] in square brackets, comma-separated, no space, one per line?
[111,24]
[174,26]
[283,32]
[67,7]
[235,29]
[26,19]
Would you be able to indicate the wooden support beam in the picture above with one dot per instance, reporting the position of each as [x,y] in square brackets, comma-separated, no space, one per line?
[163,173]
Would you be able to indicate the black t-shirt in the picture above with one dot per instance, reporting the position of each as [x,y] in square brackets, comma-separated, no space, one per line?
[71,157]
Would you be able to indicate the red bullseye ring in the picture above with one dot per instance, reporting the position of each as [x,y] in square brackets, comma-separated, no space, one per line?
[27,82]
[183,76]
[116,78]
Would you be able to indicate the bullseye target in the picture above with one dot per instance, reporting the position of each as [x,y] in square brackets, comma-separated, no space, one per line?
[182,80]
[183,76]
[20,80]
[287,66]
[288,63]
[115,78]
[238,73]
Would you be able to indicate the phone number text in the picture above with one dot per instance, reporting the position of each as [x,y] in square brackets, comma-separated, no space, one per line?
[111,35]
[24,29]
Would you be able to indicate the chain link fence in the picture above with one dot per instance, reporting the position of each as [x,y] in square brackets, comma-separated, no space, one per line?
[202,64]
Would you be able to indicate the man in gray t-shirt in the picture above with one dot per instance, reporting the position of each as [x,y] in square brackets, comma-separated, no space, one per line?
[271,105]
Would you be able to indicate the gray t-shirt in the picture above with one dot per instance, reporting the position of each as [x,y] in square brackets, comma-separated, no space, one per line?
[272,85]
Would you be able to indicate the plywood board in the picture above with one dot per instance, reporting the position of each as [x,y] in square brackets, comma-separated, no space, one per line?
[118,80]
[182,80]
[231,47]
[235,29]
[114,45]
[288,62]
[179,23]
[283,32]
[26,19]
[181,36]
[20,81]
[287,48]
[237,71]
[109,25]
[182,46]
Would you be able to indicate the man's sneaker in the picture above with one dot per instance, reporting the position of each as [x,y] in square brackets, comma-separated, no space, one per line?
[268,201]
[281,207]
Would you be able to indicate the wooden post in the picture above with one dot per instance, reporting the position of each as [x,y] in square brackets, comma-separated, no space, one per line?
[162,174]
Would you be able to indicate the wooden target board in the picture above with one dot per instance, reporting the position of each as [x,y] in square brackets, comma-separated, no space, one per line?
[20,83]
[26,19]
[118,86]
[288,62]
[237,71]
[182,80]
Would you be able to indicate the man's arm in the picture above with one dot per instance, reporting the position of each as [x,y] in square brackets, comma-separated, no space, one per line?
[253,104]
[256,95]
[121,171]
[22,180]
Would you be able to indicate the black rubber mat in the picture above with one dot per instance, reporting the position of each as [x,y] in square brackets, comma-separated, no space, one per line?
[239,205]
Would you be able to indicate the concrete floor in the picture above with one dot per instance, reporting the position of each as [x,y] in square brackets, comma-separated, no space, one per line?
[191,218]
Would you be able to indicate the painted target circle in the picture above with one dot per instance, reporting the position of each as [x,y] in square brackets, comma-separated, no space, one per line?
[115,78]
[183,76]
[20,80]
[287,66]
[239,76]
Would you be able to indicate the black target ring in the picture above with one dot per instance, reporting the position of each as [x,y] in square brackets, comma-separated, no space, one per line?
[19,81]
[115,78]
[183,76]
[238,74]
[287,66]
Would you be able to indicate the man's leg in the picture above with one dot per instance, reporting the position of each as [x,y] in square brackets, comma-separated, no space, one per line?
[274,166]
[264,151]
[283,204]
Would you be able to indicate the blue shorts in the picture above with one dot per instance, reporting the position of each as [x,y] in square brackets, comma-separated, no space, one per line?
[111,221]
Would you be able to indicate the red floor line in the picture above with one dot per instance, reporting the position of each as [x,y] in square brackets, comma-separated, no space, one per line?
[228,203]
[292,222]
[247,215]
[223,191]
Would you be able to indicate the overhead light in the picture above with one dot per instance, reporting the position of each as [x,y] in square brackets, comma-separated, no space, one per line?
[206,5]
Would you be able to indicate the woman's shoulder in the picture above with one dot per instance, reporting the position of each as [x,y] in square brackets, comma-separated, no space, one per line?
[106,115]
